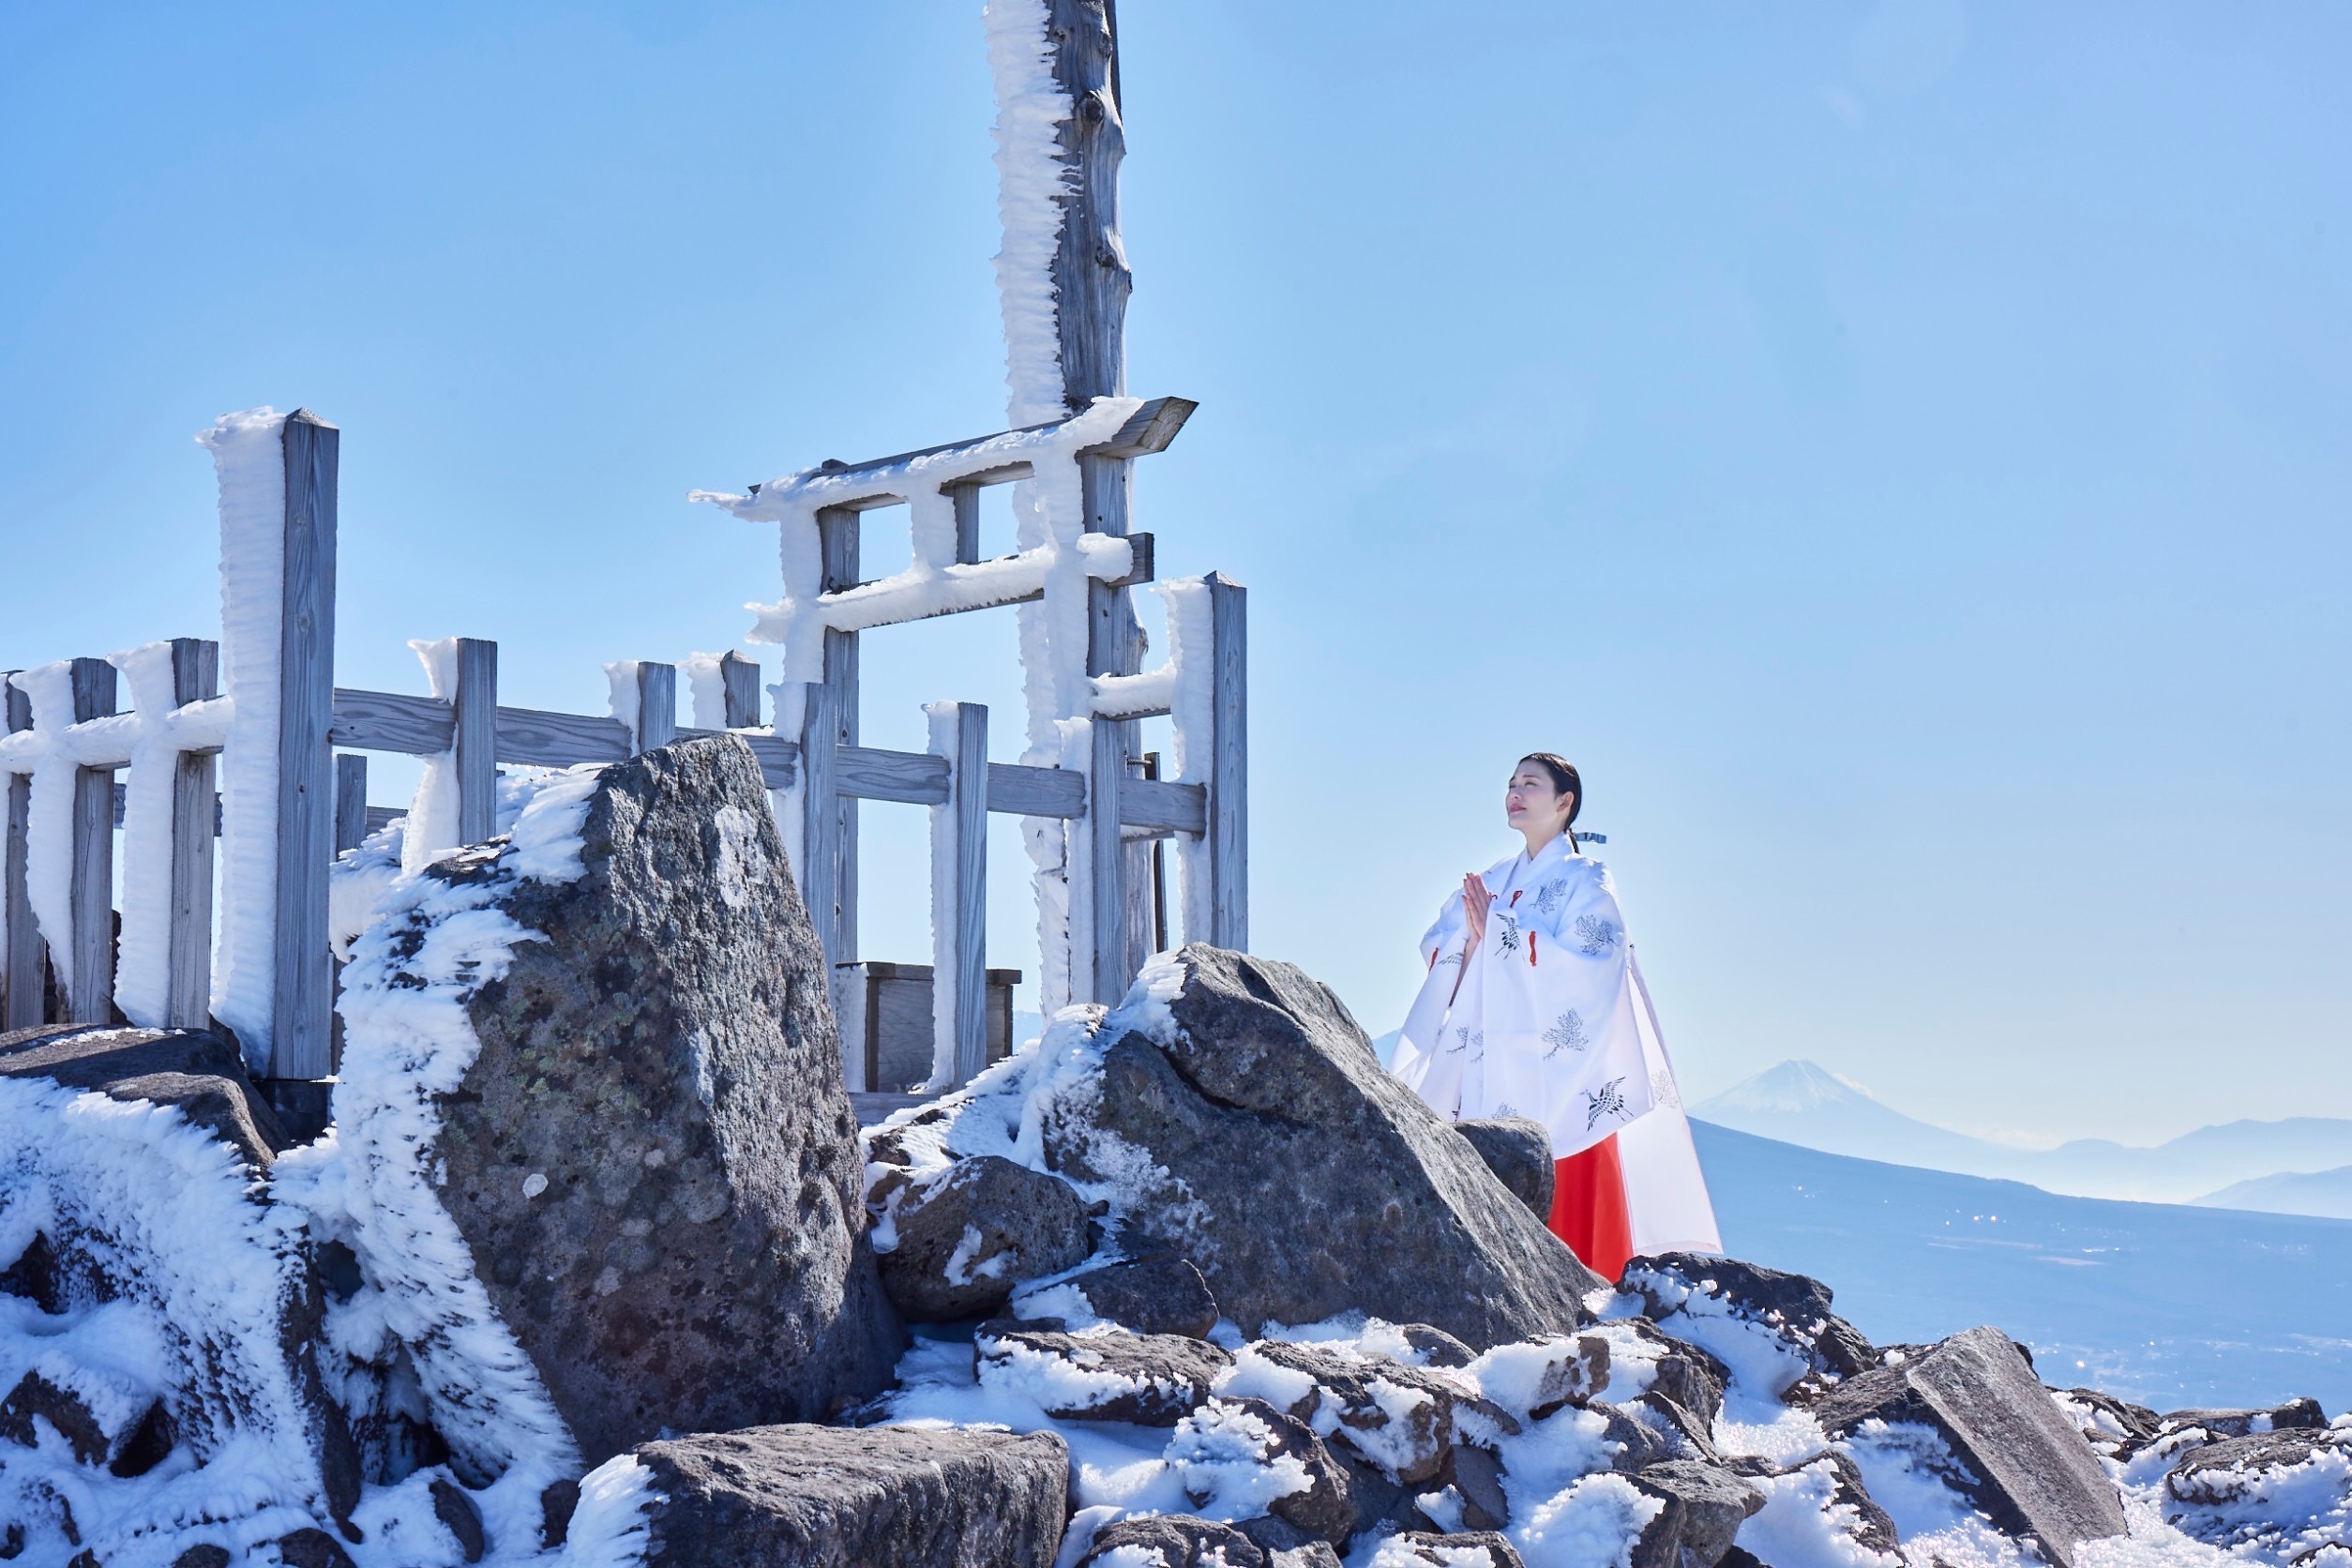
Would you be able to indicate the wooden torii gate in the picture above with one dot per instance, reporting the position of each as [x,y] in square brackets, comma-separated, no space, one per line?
[1086,460]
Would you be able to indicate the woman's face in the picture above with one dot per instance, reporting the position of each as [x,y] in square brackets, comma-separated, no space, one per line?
[1532,800]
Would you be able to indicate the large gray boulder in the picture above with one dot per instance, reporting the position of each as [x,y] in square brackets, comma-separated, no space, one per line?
[1150,1380]
[651,1157]
[828,1497]
[1301,1177]
[158,1224]
[1705,1507]
[2028,1468]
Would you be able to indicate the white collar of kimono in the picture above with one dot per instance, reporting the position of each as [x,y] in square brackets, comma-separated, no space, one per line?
[1549,855]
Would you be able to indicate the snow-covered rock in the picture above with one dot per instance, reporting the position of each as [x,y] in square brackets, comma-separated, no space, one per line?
[1774,1325]
[1157,1293]
[1705,1507]
[2011,1451]
[1151,1379]
[2283,1494]
[959,1242]
[592,1148]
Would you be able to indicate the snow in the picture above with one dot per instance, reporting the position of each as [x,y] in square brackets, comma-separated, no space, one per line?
[1030,181]
[2284,1510]
[201,1267]
[367,1182]
[249,459]
[159,734]
[1802,1522]
[432,814]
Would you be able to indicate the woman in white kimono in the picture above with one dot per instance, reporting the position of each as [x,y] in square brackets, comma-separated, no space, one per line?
[1535,1006]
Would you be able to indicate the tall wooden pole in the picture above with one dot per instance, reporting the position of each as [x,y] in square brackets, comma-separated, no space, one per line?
[1092,281]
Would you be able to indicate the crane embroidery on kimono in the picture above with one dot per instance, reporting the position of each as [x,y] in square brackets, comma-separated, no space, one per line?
[1608,1100]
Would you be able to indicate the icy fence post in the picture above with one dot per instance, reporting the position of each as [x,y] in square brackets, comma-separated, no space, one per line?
[302,1009]
[351,801]
[739,679]
[90,925]
[21,977]
[1228,780]
[657,706]
[195,816]
[1091,276]
[960,896]
[828,882]
[474,745]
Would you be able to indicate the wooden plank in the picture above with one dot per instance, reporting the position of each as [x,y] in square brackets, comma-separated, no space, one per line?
[1151,428]
[828,872]
[350,802]
[20,967]
[539,739]
[1156,804]
[1090,265]
[657,705]
[90,934]
[1228,777]
[474,706]
[908,777]
[389,721]
[381,816]
[966,497]
[964,959]
[1140,572]
[300,1022]
[1025,792]
[1113,964]
[188,994]
[739,690]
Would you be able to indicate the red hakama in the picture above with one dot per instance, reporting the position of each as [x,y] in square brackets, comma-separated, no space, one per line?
[1588,1210]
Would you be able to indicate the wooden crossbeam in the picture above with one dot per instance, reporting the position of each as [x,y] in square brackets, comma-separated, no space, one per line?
[1151,428]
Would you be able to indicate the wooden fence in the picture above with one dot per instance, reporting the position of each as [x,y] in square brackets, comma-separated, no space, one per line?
[67,740]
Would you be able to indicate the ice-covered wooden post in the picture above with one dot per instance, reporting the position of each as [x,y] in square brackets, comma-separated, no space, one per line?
[90,926]
[301,1021]
[1228,837]
[22,975]
[474,740]
[188,1000]
[959,896]
[828,880]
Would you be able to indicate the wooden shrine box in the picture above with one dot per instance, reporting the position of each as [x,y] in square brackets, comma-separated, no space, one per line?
[884,1011]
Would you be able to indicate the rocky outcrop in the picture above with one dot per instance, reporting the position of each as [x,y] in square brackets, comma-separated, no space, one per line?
[1297,1174]
[1151,1379]
[1468,1549]
[650,1157]
[1172,1541]
[2283,1495]
[825,1497]
[2019,1459]
[1230,1437]
[964,1241]
[168,1311]
[1518,1150]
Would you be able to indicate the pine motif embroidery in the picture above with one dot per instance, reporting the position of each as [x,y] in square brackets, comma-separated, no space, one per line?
[1566,1033]
[1595,936]
[1465,1038]
[1548,897]
[1608,1100]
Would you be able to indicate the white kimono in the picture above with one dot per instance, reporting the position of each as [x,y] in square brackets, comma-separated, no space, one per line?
[1542,1023]
[1551,1019]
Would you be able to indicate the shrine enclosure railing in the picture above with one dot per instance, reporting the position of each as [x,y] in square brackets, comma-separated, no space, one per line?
[231,786]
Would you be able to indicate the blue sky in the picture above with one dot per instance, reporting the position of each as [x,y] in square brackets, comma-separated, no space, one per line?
[1897,449]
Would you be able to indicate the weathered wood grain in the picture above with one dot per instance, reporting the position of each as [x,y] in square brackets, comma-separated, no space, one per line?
[657,705]
[1151,428]
[1229,780]
[474,711]
[381,817]
[350,802]
[390,721]
[537,738]
[739,690]
[1091,277]
[1017,791]
[1112,966]
[90,929]
[828,878]
[299,1045]
[188,991]
[22,980]
[965,962]
[1164,807]
[908,777]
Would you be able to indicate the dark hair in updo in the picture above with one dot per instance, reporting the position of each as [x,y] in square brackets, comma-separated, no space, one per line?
[1565,781]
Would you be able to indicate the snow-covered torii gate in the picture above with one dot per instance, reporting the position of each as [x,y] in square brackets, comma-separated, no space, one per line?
[1064,282]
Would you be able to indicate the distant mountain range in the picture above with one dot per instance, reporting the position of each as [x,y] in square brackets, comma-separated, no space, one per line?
[2253,1164]
[2170,1307]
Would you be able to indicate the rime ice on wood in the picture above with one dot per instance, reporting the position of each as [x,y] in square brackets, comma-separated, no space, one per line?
[249,459]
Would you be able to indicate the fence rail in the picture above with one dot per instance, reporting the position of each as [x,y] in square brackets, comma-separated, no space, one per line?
[250,781]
